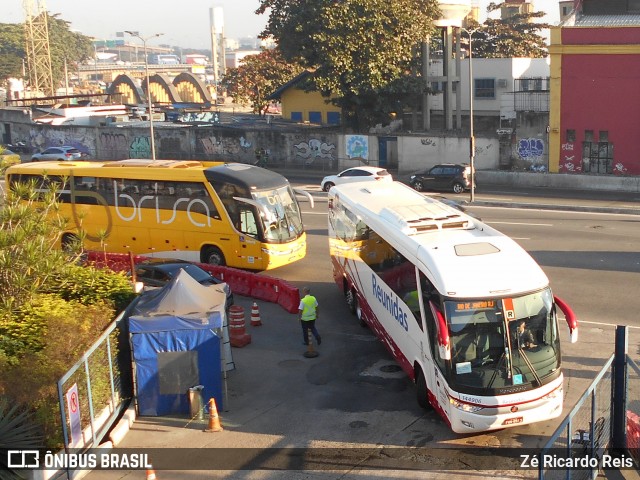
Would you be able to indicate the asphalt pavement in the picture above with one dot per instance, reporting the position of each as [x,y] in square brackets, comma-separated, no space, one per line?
[258,415]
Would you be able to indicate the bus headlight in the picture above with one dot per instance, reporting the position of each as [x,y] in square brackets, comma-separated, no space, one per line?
[465,407]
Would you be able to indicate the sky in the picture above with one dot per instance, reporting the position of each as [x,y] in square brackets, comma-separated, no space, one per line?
[183,23]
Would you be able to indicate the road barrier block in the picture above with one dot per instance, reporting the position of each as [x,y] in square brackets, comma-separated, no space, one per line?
[265,288]
[289,297]
[239,281]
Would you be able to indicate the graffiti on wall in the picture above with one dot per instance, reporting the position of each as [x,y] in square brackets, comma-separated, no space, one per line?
[357,146]
[314,149]
[219,146]
[42,139]
[428,142]
[198,117]
[140,147]
[114,146]
[532,150]
[568,161]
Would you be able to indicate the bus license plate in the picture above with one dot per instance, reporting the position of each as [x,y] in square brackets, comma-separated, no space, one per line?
[512,421]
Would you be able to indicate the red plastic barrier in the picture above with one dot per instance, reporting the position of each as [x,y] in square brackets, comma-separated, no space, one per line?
[265,288]
[261,287]
[633,434]
[215,270]
[239,281]
[289,297]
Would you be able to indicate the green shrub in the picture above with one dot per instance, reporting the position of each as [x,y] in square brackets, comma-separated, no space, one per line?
[89,285]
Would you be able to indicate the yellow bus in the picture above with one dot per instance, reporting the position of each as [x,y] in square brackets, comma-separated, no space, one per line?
[219,213]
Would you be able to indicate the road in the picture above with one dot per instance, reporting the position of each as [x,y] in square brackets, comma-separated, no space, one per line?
[352,396]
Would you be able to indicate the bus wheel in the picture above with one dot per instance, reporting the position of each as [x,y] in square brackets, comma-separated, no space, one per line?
[422,393]
[352,301]
[213,256]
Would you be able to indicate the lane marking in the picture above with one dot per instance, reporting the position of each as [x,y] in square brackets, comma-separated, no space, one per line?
[604,324]
[522,223]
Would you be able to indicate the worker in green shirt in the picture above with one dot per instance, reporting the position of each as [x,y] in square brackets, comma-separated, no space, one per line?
[308,310]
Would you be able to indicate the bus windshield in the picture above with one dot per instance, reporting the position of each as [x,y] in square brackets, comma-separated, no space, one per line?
[282,222]
[497,344]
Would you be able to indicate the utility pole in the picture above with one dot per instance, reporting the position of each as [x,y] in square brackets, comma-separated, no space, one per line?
[146,69]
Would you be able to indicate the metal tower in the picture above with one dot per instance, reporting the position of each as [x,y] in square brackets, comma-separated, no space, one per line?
[38,52]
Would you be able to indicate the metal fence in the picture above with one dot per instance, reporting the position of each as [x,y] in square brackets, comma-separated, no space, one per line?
[604,420]
[93,392]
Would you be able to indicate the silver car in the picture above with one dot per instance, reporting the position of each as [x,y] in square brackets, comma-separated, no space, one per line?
[63,154]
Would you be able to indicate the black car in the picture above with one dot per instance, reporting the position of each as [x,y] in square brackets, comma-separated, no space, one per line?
[157,272]
[450,177]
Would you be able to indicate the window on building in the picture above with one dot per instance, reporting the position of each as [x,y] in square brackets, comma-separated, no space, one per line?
[537,84]
[296,116]
[597,157]
[485,88]
[571,136]
[315,117]
[603,136]
[333,118]
[588,135]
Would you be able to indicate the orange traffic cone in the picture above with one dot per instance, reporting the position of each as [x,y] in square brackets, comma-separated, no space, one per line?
[151,474]
[214,421]
[310,353]
[255,316]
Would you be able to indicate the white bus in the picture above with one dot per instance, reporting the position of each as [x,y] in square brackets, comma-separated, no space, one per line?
[465,311]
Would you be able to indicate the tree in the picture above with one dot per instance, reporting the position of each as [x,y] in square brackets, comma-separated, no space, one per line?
[360,49]
[258,77]
[12,50]
[63,44]
[514,37]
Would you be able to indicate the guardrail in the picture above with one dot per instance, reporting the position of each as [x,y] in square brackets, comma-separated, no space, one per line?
[603,425]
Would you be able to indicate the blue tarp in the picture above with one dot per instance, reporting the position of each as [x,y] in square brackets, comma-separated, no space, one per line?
[163,389]
[176,346]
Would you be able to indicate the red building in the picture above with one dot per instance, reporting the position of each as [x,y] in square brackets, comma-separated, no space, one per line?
[595,89]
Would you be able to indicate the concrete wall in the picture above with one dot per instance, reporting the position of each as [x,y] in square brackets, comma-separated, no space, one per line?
[313,149]
[417,153]
[560,181]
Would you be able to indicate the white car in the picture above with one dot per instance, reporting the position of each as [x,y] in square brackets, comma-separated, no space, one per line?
[356,174]
[64,153]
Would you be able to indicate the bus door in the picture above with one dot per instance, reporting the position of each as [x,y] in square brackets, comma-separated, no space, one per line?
[432,362]
[246,245]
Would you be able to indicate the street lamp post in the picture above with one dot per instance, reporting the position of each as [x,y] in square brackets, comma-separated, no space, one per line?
[146,69]
[472,140]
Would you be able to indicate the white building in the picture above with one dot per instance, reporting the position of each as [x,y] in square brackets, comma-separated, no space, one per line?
[494,84]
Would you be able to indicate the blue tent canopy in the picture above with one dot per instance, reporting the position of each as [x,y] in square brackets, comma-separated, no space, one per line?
[176,343]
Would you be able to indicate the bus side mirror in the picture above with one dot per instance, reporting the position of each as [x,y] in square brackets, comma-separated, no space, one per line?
[570,318]
[306,194]
[444,346]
